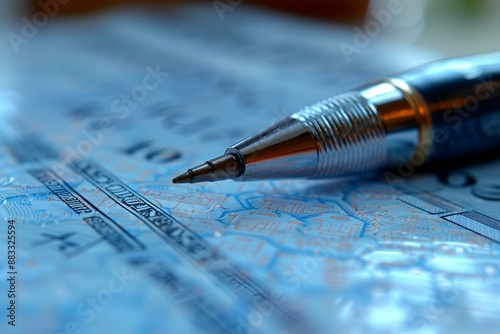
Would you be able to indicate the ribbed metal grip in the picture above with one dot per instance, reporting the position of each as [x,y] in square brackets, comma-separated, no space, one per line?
[350,135]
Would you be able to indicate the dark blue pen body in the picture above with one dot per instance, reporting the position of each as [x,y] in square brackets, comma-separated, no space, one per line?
[463,97]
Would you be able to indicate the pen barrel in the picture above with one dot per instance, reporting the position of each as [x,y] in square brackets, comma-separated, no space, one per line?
[442,110]
[462,98]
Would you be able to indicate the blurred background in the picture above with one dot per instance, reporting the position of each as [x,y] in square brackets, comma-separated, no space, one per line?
[449,27]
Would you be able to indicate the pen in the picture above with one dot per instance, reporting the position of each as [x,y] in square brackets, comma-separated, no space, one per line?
[445,109]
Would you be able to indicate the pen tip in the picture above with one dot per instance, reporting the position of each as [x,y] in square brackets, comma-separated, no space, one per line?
[186,177]
[227,166]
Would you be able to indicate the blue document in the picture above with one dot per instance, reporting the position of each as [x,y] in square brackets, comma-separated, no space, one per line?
[99,113]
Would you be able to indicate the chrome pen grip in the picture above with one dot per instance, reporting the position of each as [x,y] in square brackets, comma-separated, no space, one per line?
[350,136]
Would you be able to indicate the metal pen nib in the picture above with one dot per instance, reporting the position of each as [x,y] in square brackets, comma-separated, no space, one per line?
[227,166]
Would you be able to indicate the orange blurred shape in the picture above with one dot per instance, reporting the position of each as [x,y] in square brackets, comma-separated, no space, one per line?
[341,10]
